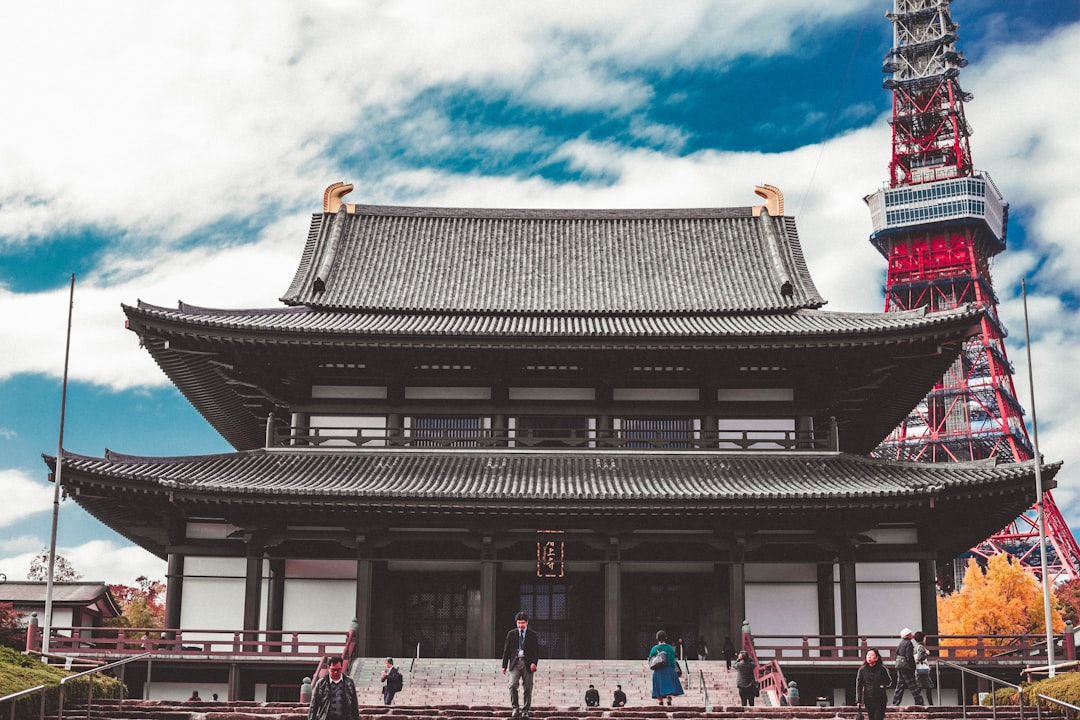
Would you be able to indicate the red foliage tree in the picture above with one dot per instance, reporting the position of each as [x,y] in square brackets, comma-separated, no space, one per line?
[1068,594]
[12,630]
[142,605]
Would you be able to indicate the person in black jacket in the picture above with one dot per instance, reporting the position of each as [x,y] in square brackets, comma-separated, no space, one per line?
[746,678]
[521,653]
[619,698]
[871,685]
[592,697]
[392,682]
[729,652]
[333,697]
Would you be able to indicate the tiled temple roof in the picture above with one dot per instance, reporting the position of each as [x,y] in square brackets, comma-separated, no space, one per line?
[445,260]
[540,476]
[550,489]
[796,327]
[64,593]
[428,280]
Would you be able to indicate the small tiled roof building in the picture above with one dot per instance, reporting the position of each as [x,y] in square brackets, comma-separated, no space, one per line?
[74,603]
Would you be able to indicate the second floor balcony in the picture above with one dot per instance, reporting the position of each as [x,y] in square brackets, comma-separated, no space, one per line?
[472,433]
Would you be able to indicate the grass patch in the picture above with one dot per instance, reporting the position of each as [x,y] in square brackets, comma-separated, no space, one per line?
[21,672]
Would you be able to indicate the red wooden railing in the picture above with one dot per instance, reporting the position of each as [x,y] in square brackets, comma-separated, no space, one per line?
[1022,649]
[769,651]
[189,641]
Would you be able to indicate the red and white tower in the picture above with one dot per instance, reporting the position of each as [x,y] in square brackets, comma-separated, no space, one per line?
[939,223]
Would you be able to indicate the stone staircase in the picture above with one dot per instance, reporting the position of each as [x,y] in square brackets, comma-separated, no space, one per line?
[449,689]
[558,683]
[171,710]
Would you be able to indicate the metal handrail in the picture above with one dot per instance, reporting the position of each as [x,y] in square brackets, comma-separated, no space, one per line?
[29,691]
[704,691]
[1047,698]
[90,686]
[964,672]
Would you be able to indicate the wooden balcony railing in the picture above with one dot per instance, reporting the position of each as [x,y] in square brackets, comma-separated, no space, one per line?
[471,439]
[104,642]
[825,649]
[997,649]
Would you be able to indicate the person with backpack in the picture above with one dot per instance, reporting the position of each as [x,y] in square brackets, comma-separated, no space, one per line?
[392,682]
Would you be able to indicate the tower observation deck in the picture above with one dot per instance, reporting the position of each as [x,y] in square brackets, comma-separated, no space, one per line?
[938,222]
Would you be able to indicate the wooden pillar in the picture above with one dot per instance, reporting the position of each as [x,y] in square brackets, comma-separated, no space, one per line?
[826,599]
[613,601]
[174,590]
[253,578]
[737,598]
[849,604]
[364,572]
[928,596]
[275,604]
[488,588]
[299,427]
[804,432]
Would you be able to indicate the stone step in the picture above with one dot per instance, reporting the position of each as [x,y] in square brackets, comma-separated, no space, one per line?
[165,710]
[559,683]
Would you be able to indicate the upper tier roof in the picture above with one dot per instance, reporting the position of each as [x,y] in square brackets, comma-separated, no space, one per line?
[712,260]
[800,327]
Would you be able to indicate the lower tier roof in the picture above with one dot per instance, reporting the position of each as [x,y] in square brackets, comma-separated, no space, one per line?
[954,504]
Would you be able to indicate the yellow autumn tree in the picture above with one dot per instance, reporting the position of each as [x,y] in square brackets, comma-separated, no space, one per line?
[1003,600]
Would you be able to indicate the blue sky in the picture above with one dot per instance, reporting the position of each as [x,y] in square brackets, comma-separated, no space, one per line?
[175,151]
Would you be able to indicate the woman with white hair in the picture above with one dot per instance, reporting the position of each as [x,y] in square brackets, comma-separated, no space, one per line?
[905,669]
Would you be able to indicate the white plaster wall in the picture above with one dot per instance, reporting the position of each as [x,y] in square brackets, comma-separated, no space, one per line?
[320,568]
[782,609]
[182,691]
[780,572]
[887,600]
[213,596]
[319,605]
[61,617]
[885,608]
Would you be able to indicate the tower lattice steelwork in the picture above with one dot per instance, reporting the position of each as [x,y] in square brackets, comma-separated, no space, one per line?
[939,223]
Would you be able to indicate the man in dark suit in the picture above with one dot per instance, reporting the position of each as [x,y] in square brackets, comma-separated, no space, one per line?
[619,698]
[521,653]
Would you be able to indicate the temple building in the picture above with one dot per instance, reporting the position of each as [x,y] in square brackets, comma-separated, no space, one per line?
[616,420]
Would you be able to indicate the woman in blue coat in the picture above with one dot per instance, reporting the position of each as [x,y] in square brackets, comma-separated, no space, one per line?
[665,678]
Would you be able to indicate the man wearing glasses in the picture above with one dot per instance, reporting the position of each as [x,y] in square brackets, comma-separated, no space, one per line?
[334,695]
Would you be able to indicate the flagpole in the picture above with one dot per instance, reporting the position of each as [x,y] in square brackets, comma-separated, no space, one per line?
[1039,504]
[46,631]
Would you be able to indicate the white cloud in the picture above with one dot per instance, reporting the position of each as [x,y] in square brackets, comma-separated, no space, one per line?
[97,560]
[102,350]
[160,119]
[112,563]
[23,497]
[29,545]
[1024,120]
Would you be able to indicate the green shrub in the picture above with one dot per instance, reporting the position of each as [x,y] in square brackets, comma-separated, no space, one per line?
[20,672]
[1002,696]
[1065,686]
